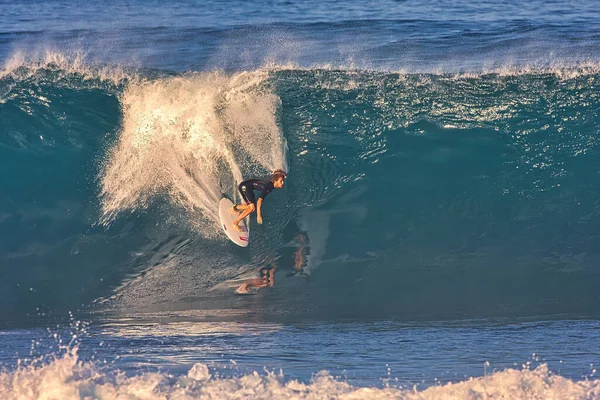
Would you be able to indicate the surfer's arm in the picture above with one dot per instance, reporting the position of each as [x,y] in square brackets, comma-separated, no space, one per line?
[259,210]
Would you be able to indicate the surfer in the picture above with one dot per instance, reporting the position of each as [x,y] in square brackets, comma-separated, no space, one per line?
[247,189]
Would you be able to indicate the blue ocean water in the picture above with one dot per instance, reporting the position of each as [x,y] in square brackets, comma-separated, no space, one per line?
[437,236]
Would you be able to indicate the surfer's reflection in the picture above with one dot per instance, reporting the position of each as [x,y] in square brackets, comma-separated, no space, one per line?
[267,278]
[266,273]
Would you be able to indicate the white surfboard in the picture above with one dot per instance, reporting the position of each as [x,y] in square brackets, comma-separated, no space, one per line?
[227,216]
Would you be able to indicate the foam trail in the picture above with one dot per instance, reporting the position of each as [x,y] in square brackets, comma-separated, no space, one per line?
[187,136]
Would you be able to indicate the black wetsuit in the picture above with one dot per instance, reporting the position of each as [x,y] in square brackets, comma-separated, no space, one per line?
[248,187]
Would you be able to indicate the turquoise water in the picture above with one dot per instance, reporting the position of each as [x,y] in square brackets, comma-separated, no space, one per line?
[439,222]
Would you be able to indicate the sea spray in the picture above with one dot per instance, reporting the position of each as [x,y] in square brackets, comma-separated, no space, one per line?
[192,137]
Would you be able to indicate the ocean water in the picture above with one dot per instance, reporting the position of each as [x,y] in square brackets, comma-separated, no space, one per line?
[437,236]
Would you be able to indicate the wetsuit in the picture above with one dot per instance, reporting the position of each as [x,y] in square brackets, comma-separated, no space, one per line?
[248,187]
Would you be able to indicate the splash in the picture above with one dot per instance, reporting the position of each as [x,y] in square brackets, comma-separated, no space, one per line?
[69,378]
[22,66]
[191,138]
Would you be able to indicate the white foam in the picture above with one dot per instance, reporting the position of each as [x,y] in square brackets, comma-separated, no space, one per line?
[191,137]
[199,372]
[68,378]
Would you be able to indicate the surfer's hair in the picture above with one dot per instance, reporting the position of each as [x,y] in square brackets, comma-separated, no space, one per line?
[278,173]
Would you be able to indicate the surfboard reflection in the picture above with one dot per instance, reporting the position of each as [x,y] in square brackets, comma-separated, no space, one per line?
[266,279]
[264,276]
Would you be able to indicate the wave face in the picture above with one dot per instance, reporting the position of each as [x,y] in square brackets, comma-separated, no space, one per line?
[417,195]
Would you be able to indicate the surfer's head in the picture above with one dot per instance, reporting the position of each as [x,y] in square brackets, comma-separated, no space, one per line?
[278,178]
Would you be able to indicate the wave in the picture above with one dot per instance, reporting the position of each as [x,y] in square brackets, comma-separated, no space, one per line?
[415,194]
[76,379]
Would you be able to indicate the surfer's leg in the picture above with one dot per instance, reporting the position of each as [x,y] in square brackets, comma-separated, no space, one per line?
[249,210]
[239,207]
[247,196]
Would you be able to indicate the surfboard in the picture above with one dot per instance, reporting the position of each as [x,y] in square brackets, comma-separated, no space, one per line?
[227,217]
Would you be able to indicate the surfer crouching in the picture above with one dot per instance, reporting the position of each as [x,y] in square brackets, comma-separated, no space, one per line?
[247,189]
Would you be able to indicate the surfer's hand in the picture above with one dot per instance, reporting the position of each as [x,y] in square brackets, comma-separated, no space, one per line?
[259,219]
